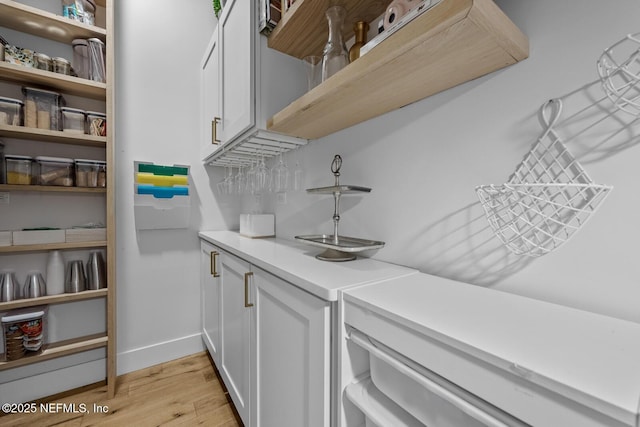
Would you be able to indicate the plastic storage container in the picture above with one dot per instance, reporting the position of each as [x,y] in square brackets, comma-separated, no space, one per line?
[89,59]
[41,108]
[55,171]
[81,58]
[23,332]
[102,174]
[87,172]
[11,111]
[3,174]
[72,120]
[19,169]
[89,16]
[96,123]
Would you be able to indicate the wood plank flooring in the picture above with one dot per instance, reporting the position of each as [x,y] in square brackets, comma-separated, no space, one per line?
[183,392]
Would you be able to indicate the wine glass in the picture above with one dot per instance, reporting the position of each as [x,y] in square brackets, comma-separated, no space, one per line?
[262,176]
[280,176]
[239,181]
[298,173]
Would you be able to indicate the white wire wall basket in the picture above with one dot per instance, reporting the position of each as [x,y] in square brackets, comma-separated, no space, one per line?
[547,199]
[619,71]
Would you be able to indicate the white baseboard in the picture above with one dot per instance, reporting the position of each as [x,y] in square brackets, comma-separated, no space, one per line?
[52,377]
[143,357]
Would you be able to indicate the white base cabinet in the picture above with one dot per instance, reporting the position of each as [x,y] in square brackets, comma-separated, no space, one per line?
[210,296]
[274,342]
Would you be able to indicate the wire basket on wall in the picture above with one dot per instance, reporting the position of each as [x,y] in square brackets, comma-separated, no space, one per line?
[619,71]
[547,199]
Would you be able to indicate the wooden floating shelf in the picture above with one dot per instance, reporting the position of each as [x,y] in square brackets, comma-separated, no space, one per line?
[55,81]
[52,246]
[59,349]
[303,28]
[21,132]
[27,19]
[53,299]
[454,42]
[51,189]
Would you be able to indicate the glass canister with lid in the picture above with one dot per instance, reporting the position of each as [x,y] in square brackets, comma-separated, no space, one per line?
[42,62]
[61,66]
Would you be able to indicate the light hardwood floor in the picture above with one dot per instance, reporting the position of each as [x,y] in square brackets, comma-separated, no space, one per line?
[183,392]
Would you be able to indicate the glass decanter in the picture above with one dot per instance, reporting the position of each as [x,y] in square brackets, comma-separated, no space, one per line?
[335,55]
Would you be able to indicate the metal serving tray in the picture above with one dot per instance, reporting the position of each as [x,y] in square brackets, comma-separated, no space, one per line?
[343,250]
[342,189]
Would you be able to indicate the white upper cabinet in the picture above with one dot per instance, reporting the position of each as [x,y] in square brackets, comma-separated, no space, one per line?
[210,97]
[253,83]
[237,68]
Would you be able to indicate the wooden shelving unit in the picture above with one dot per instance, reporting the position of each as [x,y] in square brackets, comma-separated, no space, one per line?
[45,135]
[52,246]
[59,349]
[68,84]
[302,30]
[50,189]
[53,299]
[27,19]
[454,42]
[44,24]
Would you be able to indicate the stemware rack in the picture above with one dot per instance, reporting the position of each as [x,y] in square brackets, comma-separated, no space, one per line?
[243,151]
[337,247]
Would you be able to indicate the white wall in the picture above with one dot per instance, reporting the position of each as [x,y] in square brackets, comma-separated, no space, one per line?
[159,50]
[424,161]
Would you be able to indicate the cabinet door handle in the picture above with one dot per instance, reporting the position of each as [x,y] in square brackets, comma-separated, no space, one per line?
[214,258]
[246,289]
[214,130]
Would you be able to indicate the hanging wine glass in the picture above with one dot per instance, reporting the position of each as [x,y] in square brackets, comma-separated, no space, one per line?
[298,173]
[262,176]
[251,178]
[239,183]
[280,176]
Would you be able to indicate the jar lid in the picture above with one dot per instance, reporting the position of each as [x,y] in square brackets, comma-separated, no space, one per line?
[72,110]
[17,157]
[53,159]
[79,42]
[95,113]
[11,100]
[33,89]
[42,56]
[61,60]
[88,161]
[95,40]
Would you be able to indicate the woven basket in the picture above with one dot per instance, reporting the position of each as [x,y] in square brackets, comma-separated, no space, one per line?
[547,199]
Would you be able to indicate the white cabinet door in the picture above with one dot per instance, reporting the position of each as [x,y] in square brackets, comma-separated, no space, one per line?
[210,97]
[210,293]
[236,333]
[237,31]
[292,354]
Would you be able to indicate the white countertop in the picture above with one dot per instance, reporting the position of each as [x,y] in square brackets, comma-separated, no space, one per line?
[296,263]
[590,358]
